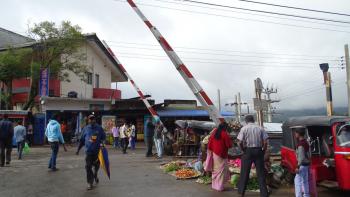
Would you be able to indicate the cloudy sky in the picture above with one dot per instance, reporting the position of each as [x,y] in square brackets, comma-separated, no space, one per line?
[225,49]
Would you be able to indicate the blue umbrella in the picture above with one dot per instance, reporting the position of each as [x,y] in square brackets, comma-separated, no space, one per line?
[104,161]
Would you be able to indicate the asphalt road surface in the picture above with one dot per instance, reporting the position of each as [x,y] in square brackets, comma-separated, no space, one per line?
[131,175]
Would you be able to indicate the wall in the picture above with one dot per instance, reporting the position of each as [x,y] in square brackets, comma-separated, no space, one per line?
[97,66]
[73,104]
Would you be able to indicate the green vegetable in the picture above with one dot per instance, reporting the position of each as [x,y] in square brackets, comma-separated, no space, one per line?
[171,167]
[253,184]
[234,179]
[204,180]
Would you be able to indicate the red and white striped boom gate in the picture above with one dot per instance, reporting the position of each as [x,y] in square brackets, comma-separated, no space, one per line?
[138,90]
[180,66]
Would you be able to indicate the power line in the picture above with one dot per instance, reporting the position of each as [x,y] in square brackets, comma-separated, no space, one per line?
[222,60]
[266,12]
[229,55]
[308,91]
[242,65]
[249,13]
[238,18]
[297,8]
[220,50]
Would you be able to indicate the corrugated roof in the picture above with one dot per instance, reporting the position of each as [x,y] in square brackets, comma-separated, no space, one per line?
[188,113]
[9,38]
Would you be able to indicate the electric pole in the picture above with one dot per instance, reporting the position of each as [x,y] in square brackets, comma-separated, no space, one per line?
[236,108]
[327,81]
[219,100]
[268,91]
[347,63]
[259,111]
[239,105]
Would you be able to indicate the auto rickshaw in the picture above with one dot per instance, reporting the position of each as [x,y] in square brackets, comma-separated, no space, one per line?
[329,139]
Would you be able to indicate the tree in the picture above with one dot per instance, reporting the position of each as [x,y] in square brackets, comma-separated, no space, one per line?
[14,64]
[57,48]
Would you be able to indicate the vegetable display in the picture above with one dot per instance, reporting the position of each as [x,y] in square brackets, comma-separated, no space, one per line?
[204,180]
[171,167]
[186,173]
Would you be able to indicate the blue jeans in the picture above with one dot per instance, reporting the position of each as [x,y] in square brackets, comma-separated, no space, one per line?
[301,182]
[132,143]
[20,146]
[54,148]
[159,146]
[116,142]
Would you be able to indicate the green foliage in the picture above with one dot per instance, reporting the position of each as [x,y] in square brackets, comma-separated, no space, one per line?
[57,48]
[14,63]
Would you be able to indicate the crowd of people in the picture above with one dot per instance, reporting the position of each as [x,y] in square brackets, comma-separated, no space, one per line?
[253,141]
[13,130]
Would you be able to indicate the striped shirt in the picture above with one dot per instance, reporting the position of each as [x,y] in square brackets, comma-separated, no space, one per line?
[252,136]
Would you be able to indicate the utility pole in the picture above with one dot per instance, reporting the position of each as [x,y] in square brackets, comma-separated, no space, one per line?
[236,108]
[347,63]
[239,106]
[258,90]
[268,91]
[327,81]
[219,100]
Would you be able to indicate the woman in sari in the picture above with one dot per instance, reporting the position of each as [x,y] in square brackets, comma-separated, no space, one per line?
[216,162]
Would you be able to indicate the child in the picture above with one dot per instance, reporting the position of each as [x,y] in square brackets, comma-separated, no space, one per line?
[301,180]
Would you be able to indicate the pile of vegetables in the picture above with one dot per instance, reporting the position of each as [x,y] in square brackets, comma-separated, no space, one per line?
[185,173]
[252,185]
[171,167]
[204,180]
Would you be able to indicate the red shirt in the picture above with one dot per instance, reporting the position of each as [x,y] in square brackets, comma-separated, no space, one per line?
[220,147]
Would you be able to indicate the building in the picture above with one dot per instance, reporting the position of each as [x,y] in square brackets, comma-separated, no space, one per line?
[74,98]
[94,93]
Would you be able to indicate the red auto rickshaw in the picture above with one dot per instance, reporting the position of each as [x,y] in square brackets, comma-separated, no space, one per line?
[329,139]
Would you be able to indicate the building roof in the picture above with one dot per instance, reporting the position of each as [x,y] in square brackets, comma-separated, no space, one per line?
[9,38]
[12,39]
[188,113]
[93,37]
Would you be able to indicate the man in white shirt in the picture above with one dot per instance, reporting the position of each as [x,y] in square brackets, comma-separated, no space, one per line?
[124,140]
[132,136]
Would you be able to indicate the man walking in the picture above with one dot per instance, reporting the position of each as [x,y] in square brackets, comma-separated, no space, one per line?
[132,136]
[158,137]
[92,138]
[54,137]
[124,139]
[20,135]
[253,142]
[6,135]
[149,133]
[115,132]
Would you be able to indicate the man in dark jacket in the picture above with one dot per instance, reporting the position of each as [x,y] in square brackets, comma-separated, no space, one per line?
[149,133]
[93,137]
[6,135]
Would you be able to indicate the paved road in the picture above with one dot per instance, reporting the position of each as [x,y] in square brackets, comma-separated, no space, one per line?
[131,175]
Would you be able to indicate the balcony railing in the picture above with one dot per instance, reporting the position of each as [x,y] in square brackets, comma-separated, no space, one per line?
[104,93]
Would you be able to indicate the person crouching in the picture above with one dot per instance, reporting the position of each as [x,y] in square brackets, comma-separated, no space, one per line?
[92,138]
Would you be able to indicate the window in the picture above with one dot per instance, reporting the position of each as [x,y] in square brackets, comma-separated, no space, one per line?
[97,81]
[89,78]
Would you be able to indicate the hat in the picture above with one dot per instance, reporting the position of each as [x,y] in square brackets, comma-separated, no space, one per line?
[91,117]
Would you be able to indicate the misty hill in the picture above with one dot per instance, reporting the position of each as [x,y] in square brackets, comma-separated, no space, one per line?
[284,114]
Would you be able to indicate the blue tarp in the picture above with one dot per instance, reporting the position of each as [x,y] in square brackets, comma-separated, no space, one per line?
[189,113]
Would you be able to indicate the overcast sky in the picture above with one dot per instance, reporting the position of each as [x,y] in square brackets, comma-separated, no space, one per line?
[224,49]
